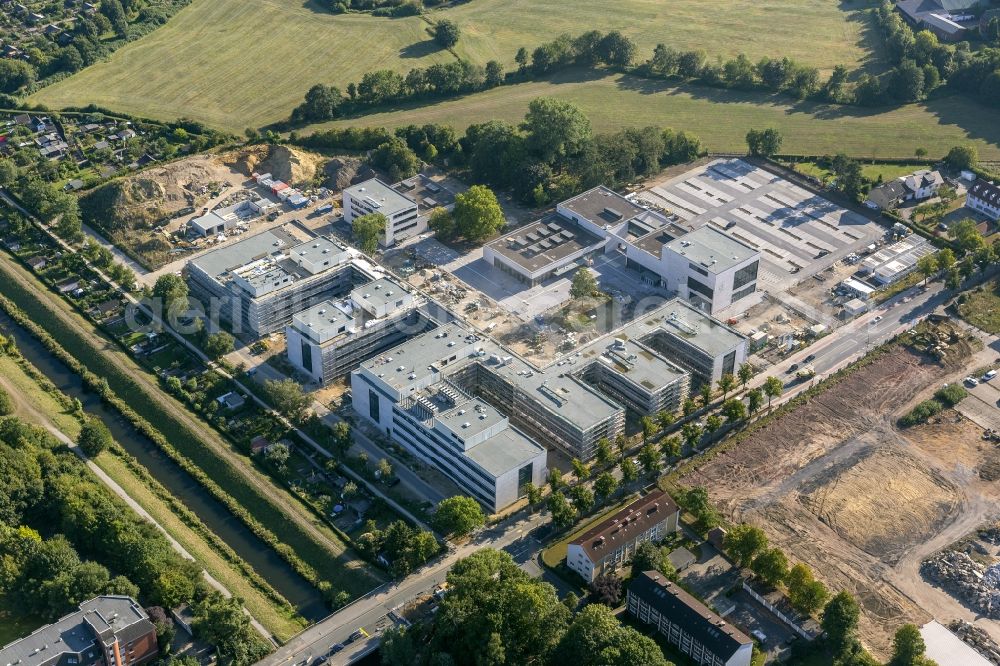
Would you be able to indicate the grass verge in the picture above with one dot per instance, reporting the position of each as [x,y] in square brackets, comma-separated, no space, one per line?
[554,555]
[277,616]
[298,535]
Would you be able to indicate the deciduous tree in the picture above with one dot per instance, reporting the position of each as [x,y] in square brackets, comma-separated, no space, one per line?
[458,515]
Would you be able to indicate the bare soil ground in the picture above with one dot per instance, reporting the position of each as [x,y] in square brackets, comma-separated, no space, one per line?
[837,485]
[294,166]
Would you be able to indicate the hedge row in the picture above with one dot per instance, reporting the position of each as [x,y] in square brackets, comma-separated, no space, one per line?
[186,516]
[100,386]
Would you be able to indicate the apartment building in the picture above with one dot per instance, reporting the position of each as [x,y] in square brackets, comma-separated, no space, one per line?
[105,631]
[329,340]
[402,216]
[609,545]
[257,284]
[984,197]
[686,622]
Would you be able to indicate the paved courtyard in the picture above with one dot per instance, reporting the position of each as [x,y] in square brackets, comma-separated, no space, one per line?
[518,298]
[798,233]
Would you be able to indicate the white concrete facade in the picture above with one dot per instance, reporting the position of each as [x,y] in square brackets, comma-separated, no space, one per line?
[373,196]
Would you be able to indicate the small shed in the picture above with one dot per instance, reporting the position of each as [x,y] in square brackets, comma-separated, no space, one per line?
[682,558]
[37,263]
[259,444]
[855,307]
[231,400]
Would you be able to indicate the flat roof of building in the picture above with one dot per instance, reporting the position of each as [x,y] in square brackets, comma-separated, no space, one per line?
[626,524]
[505,451]
[382,196]
[713,250]
[469,418]
[381,292]
[559,391]
[323,320]
[218,262]
[947,649]
[318,249]
[427,193]
[679,318]
[694,617]
[634,360]
[602,205]
[411,362]
[544,243]
[207,221]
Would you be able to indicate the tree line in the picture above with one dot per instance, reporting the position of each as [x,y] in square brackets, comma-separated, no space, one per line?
[384,86]
[551,155]
[920,65]
[65,538]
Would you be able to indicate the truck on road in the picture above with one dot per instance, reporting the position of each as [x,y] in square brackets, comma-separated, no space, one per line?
[805,372]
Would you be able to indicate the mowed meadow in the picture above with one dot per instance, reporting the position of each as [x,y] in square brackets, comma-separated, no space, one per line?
[246,63]
[721,118]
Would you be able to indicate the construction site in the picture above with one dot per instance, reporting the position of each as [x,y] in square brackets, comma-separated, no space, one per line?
[838,484]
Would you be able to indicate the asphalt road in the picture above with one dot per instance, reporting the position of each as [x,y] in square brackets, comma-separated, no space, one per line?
[370,613]
[843,346]
[853,340]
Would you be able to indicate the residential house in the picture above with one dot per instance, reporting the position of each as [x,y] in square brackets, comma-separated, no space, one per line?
[68,286]
[231,401]
[686,623]
[984,197]
[917,186]
[36,263]
[610,544]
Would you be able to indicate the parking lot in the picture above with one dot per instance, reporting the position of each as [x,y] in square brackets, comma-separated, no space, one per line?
[981,406]
[712,577]
[798,233]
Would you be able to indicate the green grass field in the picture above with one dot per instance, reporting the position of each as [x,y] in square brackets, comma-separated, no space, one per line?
[722,117]
[982,308]
[871,171]
[240,63]
[495,29]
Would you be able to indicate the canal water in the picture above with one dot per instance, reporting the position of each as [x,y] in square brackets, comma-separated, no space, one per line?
[213,513]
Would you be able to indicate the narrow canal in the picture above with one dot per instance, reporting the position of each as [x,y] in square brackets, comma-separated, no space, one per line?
[214,514]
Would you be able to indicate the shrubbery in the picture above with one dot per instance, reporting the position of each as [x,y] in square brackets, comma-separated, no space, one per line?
[922,413]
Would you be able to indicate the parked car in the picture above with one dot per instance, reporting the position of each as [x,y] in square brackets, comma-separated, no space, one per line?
[971,381]
[811,357]
[759,635]
[989,375]
[334,649]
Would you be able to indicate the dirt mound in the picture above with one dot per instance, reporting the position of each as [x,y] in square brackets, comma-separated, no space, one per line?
[292,165]
[340,172]
[882,500]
